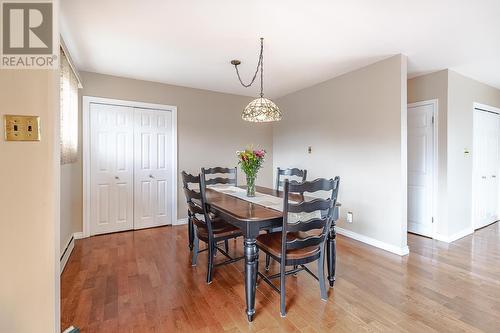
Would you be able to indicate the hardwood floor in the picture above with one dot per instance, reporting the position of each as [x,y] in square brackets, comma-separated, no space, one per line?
[143,281]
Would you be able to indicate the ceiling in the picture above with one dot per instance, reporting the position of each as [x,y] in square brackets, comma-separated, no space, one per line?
[190,42]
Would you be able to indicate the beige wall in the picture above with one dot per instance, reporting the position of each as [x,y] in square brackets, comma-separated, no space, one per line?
[462,93]
[456,95]
[356,125]
[210,131]
[71,202]
[29,206]
[428,87]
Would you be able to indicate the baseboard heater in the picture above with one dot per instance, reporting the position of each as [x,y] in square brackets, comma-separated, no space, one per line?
[67,247]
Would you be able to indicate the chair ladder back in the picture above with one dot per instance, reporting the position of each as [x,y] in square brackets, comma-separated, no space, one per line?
[231,178]
[192,195]
[196,201]
[306,208]
[302,174]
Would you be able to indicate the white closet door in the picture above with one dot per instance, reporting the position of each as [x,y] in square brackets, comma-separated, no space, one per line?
[485,168]
[111,160]
[420,169]
[153,168]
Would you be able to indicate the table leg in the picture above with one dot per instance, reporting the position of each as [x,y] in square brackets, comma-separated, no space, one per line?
[332,255]
[251,266]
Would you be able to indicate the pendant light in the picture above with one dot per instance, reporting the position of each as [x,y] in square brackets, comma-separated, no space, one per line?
[260,109]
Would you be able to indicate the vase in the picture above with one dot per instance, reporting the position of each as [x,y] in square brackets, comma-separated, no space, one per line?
[250,186]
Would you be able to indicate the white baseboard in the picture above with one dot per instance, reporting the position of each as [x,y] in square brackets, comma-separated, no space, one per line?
[402,251]
[78,235]
[181,221]
[67,253]
[455,236]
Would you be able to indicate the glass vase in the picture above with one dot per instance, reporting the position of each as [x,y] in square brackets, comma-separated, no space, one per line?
[250,186]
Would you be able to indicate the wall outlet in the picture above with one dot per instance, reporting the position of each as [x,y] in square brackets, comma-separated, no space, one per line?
[349,217]
[309,150]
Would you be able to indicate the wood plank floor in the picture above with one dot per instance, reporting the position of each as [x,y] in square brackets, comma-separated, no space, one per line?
[143,281]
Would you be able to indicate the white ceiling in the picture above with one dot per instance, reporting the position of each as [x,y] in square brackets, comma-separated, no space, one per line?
[190,42]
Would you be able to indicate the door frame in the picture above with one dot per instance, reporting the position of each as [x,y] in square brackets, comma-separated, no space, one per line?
[435,164]
[478,107]
[87,100]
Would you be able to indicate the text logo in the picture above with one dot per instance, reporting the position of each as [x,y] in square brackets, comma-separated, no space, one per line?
[27,35]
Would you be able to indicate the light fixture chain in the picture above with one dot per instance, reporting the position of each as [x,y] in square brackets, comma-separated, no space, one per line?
[262,67]
[259,66]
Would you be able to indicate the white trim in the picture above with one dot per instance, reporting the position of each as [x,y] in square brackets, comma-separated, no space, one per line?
[181,221]
[455,236]
[486,107]
[67,253]
[401,251]
[435,172]
[87,100]
[78,235]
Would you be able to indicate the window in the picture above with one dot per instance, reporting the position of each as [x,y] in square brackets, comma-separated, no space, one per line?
[69,112]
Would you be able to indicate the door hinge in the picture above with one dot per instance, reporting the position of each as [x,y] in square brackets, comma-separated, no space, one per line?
[433,119]
[432,219]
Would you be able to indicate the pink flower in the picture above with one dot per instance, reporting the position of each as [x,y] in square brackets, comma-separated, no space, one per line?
[260,153]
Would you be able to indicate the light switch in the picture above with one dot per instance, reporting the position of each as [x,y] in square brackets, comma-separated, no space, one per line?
[22,128]
[349,217]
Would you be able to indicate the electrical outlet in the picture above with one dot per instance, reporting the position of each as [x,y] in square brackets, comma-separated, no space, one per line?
[349,217]
[309,150]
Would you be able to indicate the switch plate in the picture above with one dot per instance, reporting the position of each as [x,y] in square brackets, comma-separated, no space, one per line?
[349,217]
[22,128]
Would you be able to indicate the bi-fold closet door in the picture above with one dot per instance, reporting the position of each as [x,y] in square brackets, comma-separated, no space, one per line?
[131,168]
[486,167]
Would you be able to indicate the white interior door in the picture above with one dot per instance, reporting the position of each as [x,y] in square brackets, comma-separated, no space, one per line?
[153,168]
[421,168]
[485,168]
[111,162]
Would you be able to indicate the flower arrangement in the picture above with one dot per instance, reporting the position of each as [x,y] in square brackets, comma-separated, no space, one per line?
[250,161]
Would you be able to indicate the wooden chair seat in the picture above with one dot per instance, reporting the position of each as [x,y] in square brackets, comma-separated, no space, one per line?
[220,229]
[271,243]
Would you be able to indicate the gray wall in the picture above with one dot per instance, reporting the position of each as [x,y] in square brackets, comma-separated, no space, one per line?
[210,131]
[427,87]
[356,125]
[456,95]
[462,93]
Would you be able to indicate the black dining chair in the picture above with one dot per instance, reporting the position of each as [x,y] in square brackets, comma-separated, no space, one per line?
[301,174]
[231,179]
[224,175]
[207,227]
[305,229]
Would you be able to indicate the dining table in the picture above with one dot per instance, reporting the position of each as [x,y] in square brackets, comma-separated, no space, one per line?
[252,218]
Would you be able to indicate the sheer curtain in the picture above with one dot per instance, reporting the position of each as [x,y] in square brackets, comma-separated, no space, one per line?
[69,112]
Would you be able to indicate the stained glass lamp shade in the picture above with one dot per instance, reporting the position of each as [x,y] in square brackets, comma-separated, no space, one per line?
[261,110]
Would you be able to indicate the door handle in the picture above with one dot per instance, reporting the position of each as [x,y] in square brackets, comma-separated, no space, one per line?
[117,178]
[151,176]
[493,176]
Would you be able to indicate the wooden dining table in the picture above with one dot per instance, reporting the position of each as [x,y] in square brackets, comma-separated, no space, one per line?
[251,219]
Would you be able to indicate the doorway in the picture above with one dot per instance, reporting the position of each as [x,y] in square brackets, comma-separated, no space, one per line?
[422,167]
[485,166]
[129,165]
